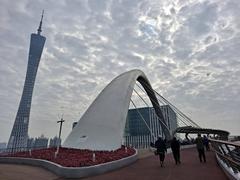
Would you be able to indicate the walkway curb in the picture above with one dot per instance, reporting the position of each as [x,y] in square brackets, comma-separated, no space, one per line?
[72,172]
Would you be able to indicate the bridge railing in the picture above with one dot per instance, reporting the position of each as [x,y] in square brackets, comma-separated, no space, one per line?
[228,152]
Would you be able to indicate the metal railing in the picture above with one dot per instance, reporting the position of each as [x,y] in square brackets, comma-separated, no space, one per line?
[12,151]
[228,152]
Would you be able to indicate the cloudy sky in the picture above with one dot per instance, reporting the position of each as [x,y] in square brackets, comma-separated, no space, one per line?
[189,50]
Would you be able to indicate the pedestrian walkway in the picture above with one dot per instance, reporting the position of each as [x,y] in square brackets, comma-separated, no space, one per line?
[24,172]
[149,168]
[144,169]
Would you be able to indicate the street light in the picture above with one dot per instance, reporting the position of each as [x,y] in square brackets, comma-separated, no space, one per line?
[59,136]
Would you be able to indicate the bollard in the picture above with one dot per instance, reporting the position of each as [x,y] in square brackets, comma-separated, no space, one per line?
[55,154]
[125,149]
[30,152]
[93,157]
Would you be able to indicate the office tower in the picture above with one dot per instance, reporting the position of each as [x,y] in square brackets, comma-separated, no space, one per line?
[19,135]
[40,142]
[30,143]
[138,135]
[3,146]
[54,142]
[170,117]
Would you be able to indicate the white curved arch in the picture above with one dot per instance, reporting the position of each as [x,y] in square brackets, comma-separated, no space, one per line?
[102,125]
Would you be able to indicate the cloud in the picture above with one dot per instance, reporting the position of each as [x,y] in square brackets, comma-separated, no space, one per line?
[188,49]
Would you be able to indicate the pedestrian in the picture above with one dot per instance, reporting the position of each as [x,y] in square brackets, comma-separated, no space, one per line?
[200,148]
[175,146]
[206,142]
[161,149]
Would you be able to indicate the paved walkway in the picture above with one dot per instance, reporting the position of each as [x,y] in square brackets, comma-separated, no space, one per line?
[23,172]
[144,169]
[149,168]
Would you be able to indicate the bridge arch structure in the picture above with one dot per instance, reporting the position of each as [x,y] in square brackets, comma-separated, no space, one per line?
[102,126]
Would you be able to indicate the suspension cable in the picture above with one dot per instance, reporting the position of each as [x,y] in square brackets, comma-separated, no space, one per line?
[181,113]
[141,97]
[143,119]
[163,123]
[171,105]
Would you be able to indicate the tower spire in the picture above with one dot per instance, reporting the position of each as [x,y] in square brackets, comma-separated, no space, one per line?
[40,25]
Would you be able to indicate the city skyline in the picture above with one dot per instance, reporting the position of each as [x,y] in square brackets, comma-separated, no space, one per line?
[189,51]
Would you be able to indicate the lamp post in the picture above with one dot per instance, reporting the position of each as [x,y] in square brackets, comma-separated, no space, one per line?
[59,136]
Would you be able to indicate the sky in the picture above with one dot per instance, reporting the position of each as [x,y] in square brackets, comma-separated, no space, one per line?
[188,49]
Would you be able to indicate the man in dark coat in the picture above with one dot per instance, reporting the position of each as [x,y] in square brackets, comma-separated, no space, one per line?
[175,146]
[200,148]
[206,142]
[161,149]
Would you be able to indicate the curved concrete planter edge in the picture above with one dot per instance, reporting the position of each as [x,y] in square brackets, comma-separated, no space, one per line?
[72,172]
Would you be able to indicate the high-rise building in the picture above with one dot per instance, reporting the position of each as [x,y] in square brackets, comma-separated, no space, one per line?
[40,142]
[170,117]
[30,143]
[54,142]
[140,133]
[19,135]
[2,146]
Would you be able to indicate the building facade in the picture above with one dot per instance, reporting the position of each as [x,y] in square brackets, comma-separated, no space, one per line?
[37,143]
[19,135]
[30,143]
[170,117]
[3,146]
[40,142]
[54,142]
[140,134]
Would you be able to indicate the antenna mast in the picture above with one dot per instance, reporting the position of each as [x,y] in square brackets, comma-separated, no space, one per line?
[40,25]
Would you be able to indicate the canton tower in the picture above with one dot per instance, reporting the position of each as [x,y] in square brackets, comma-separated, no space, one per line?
[19,135]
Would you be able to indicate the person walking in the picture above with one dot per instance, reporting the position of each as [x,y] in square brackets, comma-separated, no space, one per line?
[175,146]
[161,149]
[200,148]
[206,142]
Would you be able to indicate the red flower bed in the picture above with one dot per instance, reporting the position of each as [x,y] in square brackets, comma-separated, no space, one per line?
[69,157]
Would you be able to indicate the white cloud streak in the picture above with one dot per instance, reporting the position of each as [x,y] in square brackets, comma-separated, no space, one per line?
[188,49]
